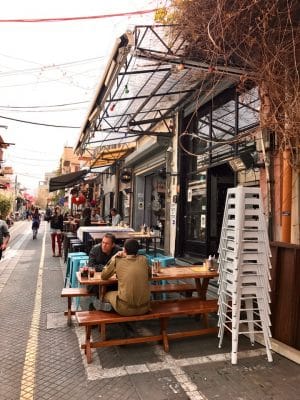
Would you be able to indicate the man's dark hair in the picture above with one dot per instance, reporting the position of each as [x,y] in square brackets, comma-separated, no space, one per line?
[110,236]
[114,210]
[131,246]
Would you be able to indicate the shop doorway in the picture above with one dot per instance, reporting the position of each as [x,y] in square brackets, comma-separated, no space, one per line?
[155,194]
[108,205]
[203,208]
[221,178]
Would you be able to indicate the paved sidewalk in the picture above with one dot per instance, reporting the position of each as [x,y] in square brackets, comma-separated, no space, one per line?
[41,357]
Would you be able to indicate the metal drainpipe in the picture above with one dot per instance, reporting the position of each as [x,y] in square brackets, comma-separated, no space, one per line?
[298,194]
[236,132]
[269,166]
[286,208]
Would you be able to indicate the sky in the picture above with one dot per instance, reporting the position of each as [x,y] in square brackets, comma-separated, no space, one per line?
[48,75]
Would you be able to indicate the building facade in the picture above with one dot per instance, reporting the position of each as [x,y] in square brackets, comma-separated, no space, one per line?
[196,134]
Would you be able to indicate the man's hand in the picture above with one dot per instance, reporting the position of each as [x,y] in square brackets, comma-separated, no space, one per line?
[120,254]
[3,246]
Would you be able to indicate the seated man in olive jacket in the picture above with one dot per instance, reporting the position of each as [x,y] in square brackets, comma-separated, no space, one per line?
[133,294]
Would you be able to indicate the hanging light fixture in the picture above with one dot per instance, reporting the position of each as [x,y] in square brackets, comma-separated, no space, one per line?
[125,175]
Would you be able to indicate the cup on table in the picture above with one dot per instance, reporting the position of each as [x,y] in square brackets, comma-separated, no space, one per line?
[84,272]
[155,267]
[92,272]
[158,266]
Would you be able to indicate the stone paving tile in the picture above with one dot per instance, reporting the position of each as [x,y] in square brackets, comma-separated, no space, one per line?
[159,385]
[17,299]
[113,357]
[138,372]
[251,378]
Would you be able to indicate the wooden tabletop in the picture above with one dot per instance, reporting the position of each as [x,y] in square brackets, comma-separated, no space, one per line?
[101,229]
[168,273]
[123,235]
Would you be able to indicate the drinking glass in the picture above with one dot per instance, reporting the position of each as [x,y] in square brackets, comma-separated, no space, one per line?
[92,272]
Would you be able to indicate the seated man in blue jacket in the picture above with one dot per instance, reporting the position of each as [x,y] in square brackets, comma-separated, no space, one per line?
[99,256]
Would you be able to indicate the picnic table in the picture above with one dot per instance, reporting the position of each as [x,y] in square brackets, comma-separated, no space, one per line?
[199,273]
[159,310]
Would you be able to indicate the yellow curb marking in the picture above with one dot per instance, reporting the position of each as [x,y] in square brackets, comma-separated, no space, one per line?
[28,377]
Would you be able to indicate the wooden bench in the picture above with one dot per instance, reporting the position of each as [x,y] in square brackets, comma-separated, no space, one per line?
[70,293]
[82,292]
[161,310]
[173,287]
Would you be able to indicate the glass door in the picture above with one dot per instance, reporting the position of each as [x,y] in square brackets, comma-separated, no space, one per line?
[195,217]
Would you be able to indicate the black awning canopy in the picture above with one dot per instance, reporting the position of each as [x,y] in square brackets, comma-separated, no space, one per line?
[66,180]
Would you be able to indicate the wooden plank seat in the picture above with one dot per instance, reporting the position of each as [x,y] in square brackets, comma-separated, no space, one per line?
[161,310]
[70,293]
[82,292]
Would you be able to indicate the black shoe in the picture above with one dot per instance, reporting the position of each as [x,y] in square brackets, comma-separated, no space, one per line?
[105,306]
[92,307]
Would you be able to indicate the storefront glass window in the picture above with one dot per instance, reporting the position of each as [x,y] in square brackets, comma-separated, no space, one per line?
[196,211]
[249,106]
[211,145]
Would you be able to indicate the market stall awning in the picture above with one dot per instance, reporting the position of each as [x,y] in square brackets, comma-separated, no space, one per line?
[109,154]
[146,81]
[66,180]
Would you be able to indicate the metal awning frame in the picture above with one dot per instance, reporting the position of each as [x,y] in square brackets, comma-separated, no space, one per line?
[131,47]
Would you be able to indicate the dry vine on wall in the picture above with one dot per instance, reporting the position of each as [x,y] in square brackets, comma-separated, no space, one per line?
[262,37]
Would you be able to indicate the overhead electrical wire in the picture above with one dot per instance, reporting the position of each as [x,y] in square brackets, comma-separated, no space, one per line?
[20,163]
[47,106]
[67,80]
[7,109]
[31,159]
[49,68]
[29,175]
[40,123]
[38,20]
[24,149]
[45,68]
[20,59]
[64,19]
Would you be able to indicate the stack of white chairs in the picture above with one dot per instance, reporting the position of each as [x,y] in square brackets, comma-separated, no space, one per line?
[244,270]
